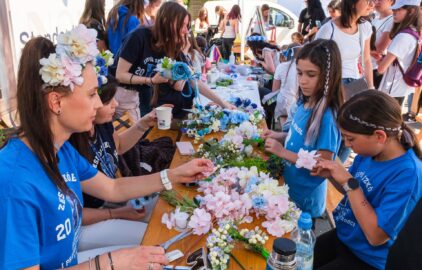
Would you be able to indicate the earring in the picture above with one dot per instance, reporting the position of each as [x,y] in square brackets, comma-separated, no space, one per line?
[59,112]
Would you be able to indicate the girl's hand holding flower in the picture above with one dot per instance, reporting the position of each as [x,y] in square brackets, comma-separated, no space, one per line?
[274,147]
[158,79]
[332,169]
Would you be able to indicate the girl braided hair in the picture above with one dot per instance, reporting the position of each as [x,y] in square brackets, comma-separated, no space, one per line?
[326,56]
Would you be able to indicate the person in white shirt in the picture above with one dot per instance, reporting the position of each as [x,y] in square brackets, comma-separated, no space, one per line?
[382,24]
[352,35]
[403,49]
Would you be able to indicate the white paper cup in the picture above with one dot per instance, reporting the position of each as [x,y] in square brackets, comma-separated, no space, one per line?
[163,117]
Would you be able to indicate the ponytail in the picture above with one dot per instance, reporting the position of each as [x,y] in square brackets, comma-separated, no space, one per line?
[408,139]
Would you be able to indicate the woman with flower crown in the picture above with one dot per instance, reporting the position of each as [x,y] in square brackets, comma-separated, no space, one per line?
[42,176]
[138,57]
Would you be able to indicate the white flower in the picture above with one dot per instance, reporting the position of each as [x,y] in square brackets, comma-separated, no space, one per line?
[52,70]
[80,44]
[248,150]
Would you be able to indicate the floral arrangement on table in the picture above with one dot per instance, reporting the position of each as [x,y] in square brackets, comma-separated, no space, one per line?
[204,120]
[236,144]
[221,241]
[231,198]
[234,195]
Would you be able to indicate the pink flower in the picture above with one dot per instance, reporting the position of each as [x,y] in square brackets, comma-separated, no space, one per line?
[274,227]
[306,159]
[200,221]
[72,72]
[277,206]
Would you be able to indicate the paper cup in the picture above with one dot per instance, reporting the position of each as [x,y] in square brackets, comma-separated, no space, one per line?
[163,117]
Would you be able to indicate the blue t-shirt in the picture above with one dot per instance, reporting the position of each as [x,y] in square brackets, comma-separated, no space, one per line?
[393,188]
[39,225]
[309,192]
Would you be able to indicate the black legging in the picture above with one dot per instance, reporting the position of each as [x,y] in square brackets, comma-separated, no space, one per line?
[331,254]
[227,47]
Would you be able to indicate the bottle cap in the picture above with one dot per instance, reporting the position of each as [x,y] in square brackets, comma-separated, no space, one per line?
[284,246]
[305,221]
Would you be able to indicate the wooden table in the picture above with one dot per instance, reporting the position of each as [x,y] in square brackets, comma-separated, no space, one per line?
[158,233]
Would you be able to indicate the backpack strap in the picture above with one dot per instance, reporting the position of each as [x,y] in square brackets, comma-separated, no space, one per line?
[416,35]
[332,32]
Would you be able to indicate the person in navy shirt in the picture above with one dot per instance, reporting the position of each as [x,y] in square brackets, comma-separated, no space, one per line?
[42,176]
[381,188]
[313,126]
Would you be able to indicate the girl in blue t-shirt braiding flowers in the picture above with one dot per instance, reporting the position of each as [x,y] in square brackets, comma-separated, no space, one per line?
[381,187]
[313,127]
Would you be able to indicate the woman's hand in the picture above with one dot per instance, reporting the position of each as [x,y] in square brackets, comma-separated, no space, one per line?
[191,171]
[229,106]
[128,213]
[273,146]
[158,79]
[142,257]
[332,169]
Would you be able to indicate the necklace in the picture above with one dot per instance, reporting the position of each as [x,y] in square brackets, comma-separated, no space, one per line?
[106,165]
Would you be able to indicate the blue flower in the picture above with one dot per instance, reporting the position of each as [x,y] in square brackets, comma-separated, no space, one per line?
[183,130]
[206,120]
[100,61]
[224,122]
[180,71]
[258,202]
[103,71]
[254,106]
[237,102]
[238,117]
[247,102]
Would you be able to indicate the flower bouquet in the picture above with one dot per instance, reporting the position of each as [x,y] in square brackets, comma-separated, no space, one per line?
[237,193]
[174,70]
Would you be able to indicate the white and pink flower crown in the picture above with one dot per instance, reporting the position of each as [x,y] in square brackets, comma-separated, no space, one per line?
[74,49]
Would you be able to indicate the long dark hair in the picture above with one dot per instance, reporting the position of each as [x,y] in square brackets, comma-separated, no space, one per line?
[80,141]
[348,9]
[136,8]
[377,110]
[163,32]
[412,19]
[325,55]
[94,10]
[234,13]
[32,107]
[315,7]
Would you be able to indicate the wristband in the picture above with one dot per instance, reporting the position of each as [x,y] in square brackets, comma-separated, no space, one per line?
[165,180]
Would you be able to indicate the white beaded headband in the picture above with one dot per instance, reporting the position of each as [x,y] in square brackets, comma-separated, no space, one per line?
[364,123]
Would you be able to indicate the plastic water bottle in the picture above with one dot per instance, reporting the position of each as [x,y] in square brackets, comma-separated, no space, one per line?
[304,238]
[232,59]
